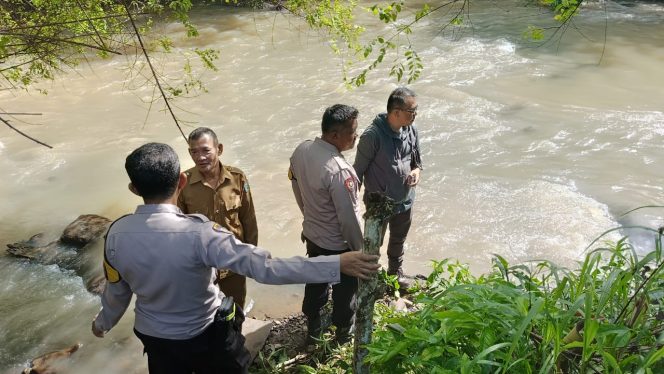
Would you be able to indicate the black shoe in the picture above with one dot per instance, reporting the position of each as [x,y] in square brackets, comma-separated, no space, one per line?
[343,335]
[313,330]
[405,282]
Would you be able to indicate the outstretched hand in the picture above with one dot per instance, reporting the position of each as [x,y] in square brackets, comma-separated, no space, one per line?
[358,264]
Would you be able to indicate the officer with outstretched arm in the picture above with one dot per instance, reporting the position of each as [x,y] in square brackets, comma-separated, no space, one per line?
[168,259]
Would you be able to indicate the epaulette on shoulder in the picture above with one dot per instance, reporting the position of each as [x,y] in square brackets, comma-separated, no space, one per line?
[234,170]
[342,162]
[198,217]
[189,171]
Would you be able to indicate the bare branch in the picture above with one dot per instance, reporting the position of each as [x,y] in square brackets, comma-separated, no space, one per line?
[154,74]
[23,134]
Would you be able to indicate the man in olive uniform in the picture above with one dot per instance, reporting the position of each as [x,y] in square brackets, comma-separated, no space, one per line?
[167,259]
[327,191]
[222,194]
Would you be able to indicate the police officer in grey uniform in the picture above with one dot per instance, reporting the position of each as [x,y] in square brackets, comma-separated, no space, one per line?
[168,259]
[327,191]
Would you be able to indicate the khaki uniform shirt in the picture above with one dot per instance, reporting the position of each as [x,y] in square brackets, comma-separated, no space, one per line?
[167,258]
[327,191]
[230,204]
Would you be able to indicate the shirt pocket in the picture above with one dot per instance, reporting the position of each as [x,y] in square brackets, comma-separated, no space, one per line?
[233,203]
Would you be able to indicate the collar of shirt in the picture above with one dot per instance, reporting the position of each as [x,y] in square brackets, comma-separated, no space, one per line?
[197,177]
[157,208]
[327,146]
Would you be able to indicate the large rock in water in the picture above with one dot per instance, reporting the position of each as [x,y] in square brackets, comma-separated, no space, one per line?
[85,229]
[78,249]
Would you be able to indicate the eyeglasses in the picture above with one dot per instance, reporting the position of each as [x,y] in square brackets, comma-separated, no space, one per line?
[411,111]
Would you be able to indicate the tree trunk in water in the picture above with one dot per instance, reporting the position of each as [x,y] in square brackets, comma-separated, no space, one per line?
[379,209]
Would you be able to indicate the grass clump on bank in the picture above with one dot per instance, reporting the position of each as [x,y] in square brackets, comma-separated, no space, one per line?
[604,317]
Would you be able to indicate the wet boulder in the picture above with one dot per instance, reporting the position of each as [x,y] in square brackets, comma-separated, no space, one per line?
[78,249]
[84,229]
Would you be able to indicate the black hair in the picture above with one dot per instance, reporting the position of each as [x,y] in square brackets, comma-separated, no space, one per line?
[196,134]
[336,116]
[154,170]
[397,99]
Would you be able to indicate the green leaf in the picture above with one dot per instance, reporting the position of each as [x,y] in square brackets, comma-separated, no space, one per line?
[654,357]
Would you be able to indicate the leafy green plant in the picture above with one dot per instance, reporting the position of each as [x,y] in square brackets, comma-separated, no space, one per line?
[605,316]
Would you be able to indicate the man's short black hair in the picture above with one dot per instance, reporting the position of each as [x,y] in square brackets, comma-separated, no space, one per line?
[336,116]
[397,99]
[154,170]
[196,134]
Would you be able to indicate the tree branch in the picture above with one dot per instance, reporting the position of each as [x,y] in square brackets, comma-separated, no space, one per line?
[24,134]
[154,74]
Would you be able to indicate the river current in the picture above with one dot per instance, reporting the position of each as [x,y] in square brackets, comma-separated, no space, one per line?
[530,153]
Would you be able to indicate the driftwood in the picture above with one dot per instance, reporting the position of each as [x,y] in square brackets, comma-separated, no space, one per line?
[52,362]
[379,209]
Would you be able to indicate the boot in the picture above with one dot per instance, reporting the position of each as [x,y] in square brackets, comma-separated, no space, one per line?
[394,268]
[313,330]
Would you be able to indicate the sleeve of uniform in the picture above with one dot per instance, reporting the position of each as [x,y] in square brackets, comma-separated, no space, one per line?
[296,188]
[114,303]
[344,198]
[416,159]
[366,151]
[248,214]
[220,249]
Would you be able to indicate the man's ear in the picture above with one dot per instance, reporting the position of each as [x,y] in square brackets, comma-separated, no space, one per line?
[220,147]
[182,181]
[133,189]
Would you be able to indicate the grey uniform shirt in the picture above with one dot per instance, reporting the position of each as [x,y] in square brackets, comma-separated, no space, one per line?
[326,189]
[167,258]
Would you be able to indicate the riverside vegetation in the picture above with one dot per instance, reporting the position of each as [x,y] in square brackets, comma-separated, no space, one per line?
[606,316]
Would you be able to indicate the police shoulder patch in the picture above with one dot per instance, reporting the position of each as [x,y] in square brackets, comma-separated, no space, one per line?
[350,184]
[112,275]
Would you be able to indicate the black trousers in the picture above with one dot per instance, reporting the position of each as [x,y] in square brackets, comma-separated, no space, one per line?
[343,293]
[399,226]
[218,349]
